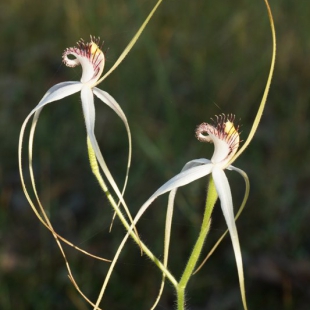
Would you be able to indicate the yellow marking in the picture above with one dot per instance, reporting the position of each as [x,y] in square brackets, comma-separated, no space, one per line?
[94,48]
[230,128]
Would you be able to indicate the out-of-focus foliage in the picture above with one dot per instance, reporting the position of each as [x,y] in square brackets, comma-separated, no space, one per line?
[195,59]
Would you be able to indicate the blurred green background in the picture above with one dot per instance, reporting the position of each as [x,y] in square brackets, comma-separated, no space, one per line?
[194,60]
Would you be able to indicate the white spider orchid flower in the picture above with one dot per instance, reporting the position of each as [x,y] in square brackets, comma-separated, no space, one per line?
[91,58]
[225,137]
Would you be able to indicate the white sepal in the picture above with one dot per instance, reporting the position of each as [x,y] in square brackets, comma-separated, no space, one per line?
[111,102]
[88,106]
[183,178]
[57,92]
[224,193]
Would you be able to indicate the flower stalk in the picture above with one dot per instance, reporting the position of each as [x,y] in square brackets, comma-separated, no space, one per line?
[130,229]
[193,259]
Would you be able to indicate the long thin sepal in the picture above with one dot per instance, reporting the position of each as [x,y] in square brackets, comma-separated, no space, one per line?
[168,224]
[56,92]
[89,115]
[169,214]
[131,43]
[266,91]
[183,178]
[111,102]
[46,222]
[245,199]
[224,193]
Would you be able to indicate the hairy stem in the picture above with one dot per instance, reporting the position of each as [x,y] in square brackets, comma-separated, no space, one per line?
[210,202]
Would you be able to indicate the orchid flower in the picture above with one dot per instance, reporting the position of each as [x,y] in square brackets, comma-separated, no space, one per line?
[226,139]
[92,60]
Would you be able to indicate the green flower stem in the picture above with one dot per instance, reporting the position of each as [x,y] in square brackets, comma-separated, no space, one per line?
[210,202]
[135,237]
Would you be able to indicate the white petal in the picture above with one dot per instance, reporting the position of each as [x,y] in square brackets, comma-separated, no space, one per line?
[195,163]
[88,106]
[111,102]
[245,198]
[183,178]
[169,214]
[247,189]
[223,190]
[58,92]
[179,180]
[89,115]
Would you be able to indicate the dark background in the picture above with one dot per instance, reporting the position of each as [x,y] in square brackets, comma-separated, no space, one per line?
[194,60]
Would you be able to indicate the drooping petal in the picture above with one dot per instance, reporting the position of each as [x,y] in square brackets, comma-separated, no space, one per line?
[111,102]
[87,98]
[195,163]
[57,92]
[169,214]
[247,189]
[224,193]
[189,165]
[245,198]
[183,178]
[89,56]
[88,107]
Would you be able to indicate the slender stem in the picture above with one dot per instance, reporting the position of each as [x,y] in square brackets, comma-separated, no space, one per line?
[135,237]
[131,43]
[210,202]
